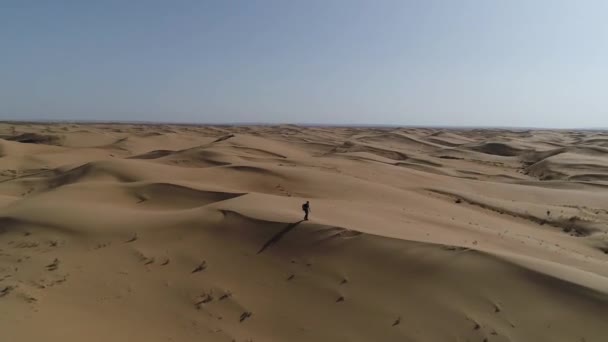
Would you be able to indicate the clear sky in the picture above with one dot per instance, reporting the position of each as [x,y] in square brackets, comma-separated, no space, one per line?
[453,62]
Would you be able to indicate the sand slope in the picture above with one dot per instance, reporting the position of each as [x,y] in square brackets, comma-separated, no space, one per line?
[185,233]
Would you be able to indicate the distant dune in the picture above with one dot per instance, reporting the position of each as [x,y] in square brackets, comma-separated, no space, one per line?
[161,232]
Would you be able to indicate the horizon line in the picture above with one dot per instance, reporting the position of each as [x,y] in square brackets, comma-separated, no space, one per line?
[252,123]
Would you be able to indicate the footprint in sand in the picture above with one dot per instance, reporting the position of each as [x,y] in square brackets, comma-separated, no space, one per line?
[245,315]
[397,321]
[6,290]
[133,239]
[203,299]
[226,295]
[201,267]
[101,245]
[53,266]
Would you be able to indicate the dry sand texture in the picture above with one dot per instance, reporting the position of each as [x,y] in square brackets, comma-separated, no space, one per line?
[187,233]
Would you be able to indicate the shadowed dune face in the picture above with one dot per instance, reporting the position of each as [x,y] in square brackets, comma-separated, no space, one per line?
[192,233]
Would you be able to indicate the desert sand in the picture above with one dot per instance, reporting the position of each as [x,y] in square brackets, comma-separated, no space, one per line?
[128,232]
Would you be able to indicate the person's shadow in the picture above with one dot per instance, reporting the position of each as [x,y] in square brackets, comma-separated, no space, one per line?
[278,236]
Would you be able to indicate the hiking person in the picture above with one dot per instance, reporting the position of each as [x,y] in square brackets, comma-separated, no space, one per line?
[306,208]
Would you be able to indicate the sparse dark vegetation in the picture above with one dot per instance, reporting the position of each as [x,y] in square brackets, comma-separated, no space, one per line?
[201,267]
[245,315]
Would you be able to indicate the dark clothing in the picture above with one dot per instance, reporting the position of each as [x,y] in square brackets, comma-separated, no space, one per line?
[306,208]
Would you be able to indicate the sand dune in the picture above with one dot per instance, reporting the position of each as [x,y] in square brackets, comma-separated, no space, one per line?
[117,232]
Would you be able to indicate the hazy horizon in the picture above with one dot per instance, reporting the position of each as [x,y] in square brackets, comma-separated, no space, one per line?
[519,64]
[312,124]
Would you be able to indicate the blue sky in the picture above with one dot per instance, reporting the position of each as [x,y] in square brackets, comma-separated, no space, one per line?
[470,63]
